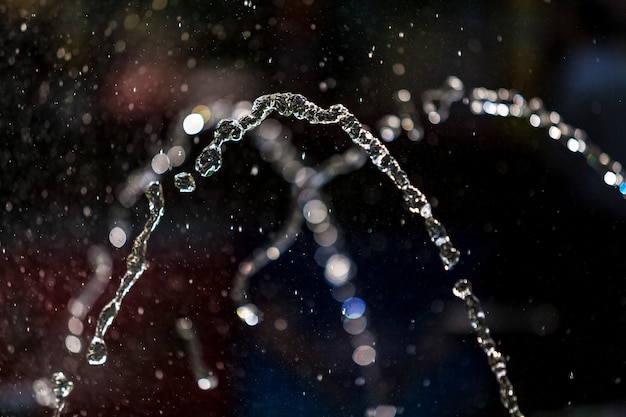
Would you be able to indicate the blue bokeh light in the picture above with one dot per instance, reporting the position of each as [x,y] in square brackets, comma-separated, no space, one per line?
[353,308]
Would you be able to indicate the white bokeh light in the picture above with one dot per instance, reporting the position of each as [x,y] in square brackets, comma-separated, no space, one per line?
[117,237]
[193,124]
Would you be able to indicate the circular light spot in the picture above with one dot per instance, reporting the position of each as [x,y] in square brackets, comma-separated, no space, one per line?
[73,344]
[356,326]
[398,69]
[364,355]
[554,132]
[434,117]
[315,211]
[503,110]
[337,269]
[393,121]
[43,393]
[77,308]
[193,123]
[534,120]
[476,107]
[177,155]
[207,383]
[75,326]
[387,134]
[117,237]
[249,314]
[353,308]
[610,178]
[328,237]
[272,253]
[416,134]
[404,95]
[280,324]
[160,163]
[572,144]
[604,159]
[489,107]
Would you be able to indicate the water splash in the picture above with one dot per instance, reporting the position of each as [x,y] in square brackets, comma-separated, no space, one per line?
[507,102]
[437,104]
[286,104]
[185,182]
[61,388]
[135,266]
[463,290]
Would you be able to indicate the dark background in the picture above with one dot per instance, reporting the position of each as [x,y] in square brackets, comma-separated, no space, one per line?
[91,91]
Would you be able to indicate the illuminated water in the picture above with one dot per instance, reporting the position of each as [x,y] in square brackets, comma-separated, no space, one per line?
[210,159]
[135,266]
[293,281]
[314,212]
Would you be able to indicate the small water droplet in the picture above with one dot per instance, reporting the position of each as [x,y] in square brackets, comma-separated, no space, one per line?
[462,289]
[97,352]
[61,386]
[184,182]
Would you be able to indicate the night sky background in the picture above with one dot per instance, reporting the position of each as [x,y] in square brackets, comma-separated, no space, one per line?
[91,91]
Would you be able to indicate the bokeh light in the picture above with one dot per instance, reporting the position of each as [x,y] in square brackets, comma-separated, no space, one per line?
[193,124]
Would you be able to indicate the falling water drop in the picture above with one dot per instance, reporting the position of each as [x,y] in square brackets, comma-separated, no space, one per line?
[462,289]
[61,387]
[135,266]
[210,160]
[97,351]
[184,182]
[477,318]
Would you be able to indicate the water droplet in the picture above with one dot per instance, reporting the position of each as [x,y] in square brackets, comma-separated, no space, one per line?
[210,159]
[61,386]
[184,182]
[462,289]
[97,352]
[228,129]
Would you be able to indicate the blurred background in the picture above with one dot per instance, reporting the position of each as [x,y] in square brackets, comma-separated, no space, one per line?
[93,99]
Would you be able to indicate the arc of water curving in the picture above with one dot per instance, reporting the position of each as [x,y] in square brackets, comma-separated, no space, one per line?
[135,267]
[209,161]
[286,104]
[506,102]
[476,315]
